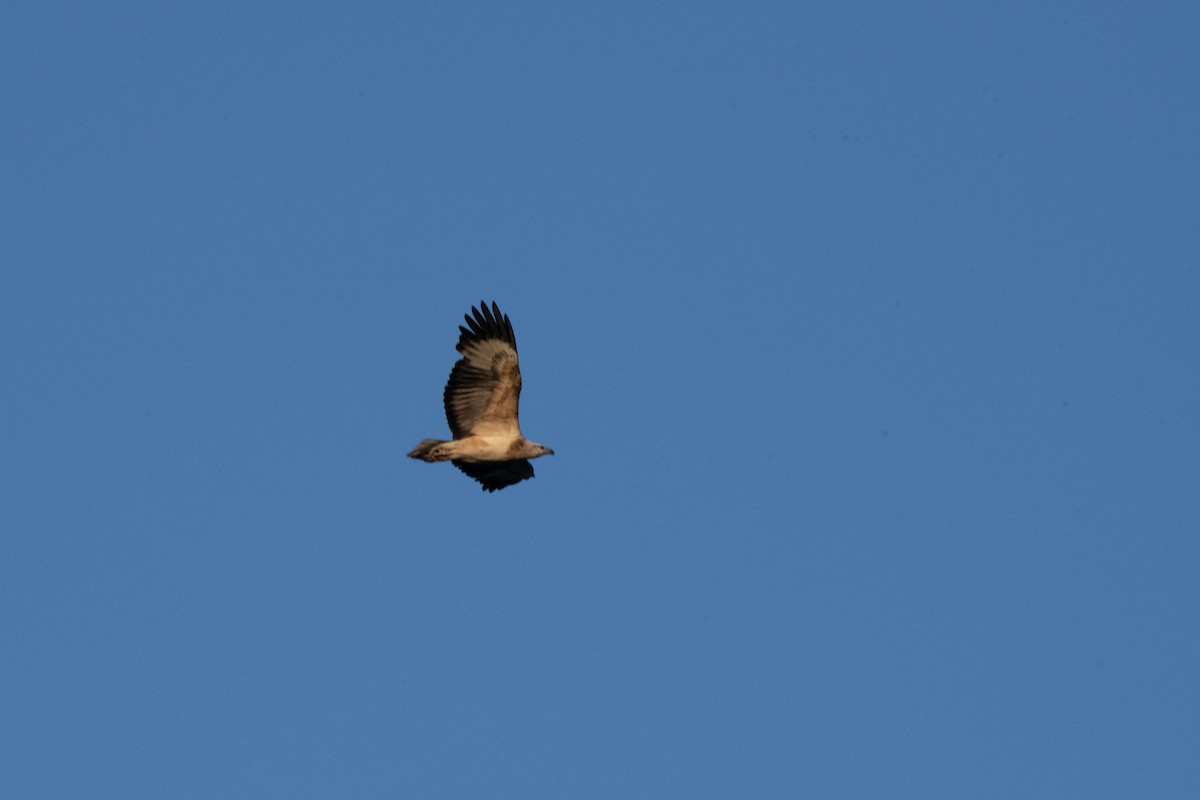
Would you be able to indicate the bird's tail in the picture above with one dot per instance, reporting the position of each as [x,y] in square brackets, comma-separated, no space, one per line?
[424,450]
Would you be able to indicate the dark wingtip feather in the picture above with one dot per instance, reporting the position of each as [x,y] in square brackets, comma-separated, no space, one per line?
[486,323]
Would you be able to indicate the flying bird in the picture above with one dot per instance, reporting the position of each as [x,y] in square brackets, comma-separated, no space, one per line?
[481,406]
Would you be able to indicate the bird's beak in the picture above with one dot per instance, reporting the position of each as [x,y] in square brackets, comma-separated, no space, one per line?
[549,452]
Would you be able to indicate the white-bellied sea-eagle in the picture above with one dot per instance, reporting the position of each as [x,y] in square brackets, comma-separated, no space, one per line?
[481,406]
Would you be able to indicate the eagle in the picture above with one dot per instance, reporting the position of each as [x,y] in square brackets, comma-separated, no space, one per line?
[481,399]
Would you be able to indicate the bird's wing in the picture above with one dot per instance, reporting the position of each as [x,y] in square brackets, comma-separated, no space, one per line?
[493,475]
[485,385]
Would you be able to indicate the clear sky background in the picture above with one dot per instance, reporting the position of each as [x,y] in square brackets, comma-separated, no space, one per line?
[867,336]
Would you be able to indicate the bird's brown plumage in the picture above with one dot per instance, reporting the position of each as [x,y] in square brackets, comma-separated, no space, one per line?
[484,389]
[481,400]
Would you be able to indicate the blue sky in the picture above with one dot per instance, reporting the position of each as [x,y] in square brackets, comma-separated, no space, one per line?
[866,336]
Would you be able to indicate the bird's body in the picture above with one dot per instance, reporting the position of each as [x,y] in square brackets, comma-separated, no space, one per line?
[481,400]
[476,448]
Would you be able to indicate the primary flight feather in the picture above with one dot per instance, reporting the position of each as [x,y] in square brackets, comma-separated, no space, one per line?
[481,400]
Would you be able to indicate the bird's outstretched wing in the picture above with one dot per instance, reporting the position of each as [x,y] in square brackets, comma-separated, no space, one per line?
[493,475]
[482,394]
